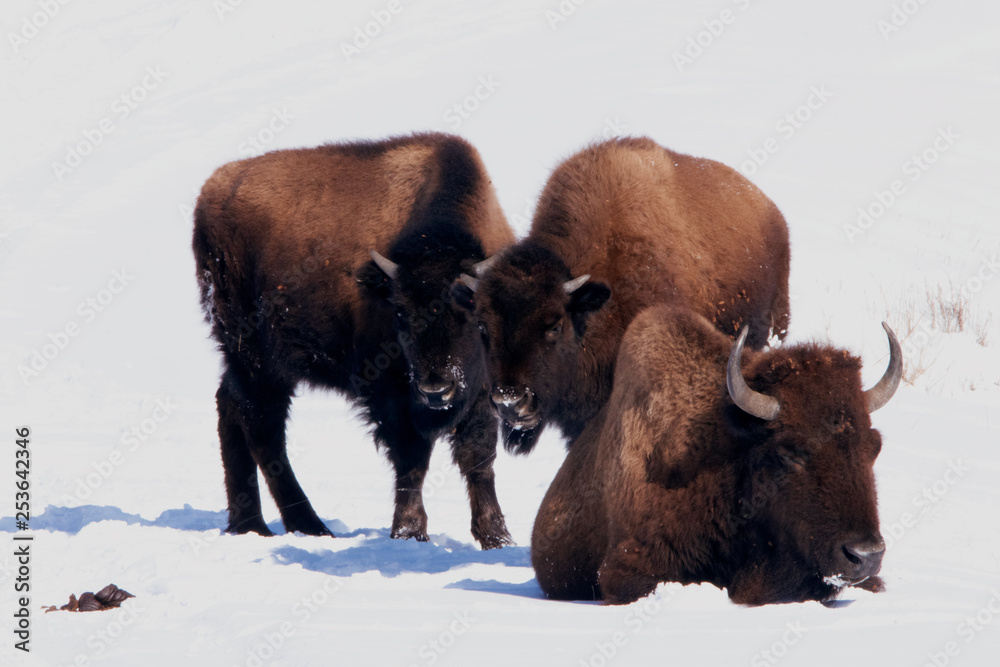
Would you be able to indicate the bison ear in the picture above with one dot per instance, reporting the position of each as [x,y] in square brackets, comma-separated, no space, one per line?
[584,300]
[463,294]
[373,280]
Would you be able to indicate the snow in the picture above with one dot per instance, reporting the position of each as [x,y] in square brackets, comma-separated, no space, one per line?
[887,176]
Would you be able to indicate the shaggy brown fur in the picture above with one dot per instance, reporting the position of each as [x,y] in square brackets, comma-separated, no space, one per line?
[282,247]
[673,482]
[652,225]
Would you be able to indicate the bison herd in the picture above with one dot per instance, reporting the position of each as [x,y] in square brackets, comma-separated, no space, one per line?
[634,317]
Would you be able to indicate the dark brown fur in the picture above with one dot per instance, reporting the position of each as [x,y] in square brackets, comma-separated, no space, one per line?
[652,225]
[673,482]
[282,246]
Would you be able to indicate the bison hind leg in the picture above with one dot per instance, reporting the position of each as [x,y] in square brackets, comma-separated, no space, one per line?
[242,490]
[252,415]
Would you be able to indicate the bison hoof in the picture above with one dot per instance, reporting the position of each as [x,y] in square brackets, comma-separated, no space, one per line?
[495,541]
[316,528]
[405,533]
[249,526]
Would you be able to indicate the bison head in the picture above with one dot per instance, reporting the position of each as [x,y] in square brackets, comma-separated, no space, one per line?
[807,513]
[437,337]
[532,315]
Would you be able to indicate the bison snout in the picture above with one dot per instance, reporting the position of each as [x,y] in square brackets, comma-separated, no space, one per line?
[437,395]
[861,559]
[516,406]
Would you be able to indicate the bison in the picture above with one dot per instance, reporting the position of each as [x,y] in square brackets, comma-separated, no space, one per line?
[334,266]
[758,481]
[622,225]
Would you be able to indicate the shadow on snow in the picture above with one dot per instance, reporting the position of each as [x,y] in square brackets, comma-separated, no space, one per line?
[73,519]
[390,558]
[376,552]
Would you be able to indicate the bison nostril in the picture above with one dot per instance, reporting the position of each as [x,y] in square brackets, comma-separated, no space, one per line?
[439,391]
[864,557]
[851,556]
[508,396]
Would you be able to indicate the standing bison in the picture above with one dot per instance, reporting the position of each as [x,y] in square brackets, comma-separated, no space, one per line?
[622,225]
[334,266]
[757,480]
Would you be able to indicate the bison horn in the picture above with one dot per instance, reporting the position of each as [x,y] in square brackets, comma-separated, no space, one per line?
[469,281]
[880,394]
[750,401]
[481,267]
[389,267]
[573,285]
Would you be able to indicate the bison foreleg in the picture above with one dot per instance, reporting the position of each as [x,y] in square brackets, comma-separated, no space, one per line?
[410,453]
[624,576]
[474,448]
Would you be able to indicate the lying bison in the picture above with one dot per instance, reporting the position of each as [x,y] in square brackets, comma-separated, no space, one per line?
[334,266]
[620,226]
[767,491]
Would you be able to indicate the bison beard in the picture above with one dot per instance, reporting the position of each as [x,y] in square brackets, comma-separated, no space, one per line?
[335,266]
[673,481]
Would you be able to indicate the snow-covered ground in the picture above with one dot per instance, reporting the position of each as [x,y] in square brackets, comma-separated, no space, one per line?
[873,125]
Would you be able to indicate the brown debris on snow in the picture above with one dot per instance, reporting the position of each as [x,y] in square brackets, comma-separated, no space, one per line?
[109,597]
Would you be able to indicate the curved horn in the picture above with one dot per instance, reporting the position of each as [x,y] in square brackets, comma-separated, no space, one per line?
[750,401]
[389,267]
[880,394]
[573,285]
[470,282]
[480,268]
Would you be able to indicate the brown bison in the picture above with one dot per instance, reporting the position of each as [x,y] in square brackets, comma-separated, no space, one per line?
[334,266]
[757,480]
[622,225]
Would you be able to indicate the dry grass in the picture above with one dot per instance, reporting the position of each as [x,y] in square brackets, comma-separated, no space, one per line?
[920,319]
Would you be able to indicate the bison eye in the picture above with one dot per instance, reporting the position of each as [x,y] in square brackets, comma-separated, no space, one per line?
[553,332]
[484,332]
